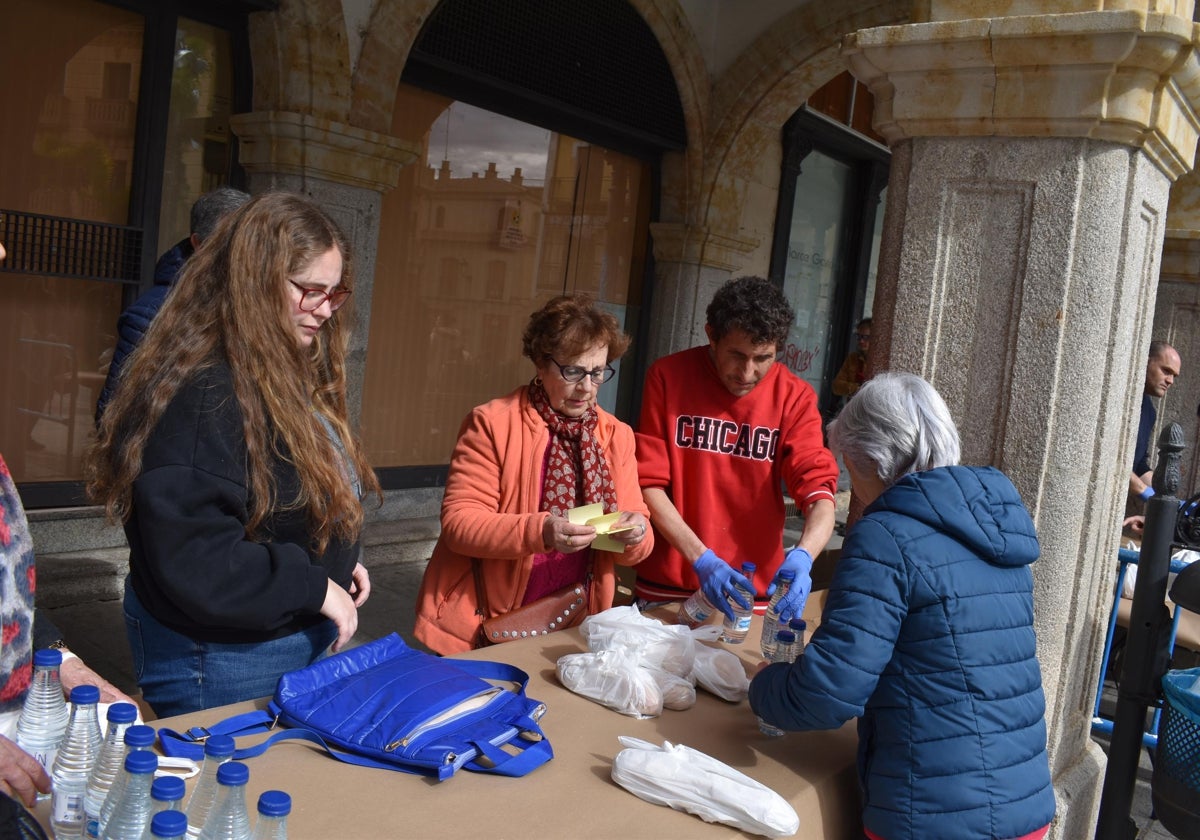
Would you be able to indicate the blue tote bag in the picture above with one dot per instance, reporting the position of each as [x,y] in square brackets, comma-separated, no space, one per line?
[386,705]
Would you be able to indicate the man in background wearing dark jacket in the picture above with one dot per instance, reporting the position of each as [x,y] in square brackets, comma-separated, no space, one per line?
[209,209]
[1161,371]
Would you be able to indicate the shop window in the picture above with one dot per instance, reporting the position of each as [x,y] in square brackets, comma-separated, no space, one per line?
[117,80]
[66,152]
[79,186]
[828,229]
[528,214]
[199,139]
[495,280]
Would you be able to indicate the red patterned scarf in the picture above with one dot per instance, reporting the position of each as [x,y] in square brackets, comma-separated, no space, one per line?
[576,471]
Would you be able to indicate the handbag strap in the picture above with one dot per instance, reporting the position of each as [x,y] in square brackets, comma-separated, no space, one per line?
[481,590]
[190,742]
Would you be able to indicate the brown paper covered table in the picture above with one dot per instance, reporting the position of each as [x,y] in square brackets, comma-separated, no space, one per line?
[573,796]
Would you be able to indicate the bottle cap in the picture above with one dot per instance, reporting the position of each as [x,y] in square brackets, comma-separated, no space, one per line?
[219,746]
[787,574]
[122,713]
[141,761]
[748,569]
[169,823]
[233,773]
[140,735]
[47,658]
[274,803]
[785,637]
[167,788]
[797,624]
[84,695]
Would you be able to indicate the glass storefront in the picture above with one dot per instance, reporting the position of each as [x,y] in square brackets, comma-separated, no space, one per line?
[828,230]
[66,151]
[815,248]
[67,160]
[499,217]
[199,139]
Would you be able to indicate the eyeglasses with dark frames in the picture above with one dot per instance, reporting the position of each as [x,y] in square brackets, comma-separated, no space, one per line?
[311,299]
[574,373]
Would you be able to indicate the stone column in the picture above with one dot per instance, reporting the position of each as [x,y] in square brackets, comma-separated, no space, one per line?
[1032,159]
[345,169]
[690,264]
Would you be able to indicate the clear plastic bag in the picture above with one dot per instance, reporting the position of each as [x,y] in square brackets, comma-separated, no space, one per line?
[670,647]
[678,693]
[612,678]
[662,660]
[718,671]
[688,780]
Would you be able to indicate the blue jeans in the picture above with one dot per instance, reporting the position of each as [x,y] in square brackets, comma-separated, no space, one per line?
[179,674]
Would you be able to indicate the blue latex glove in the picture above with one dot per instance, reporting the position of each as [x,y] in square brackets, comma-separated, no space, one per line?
[792,604]
[719,581]
[1147,493]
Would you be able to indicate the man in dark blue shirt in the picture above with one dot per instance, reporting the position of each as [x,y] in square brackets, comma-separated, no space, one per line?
[1161,370]
[209,209]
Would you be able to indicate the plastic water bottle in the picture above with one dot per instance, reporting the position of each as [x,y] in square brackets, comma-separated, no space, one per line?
[73,764]
[229,819]
[798,626]
[137,737]
[120,717]
[168,825]
[781,652]
[783,582]
[43,719]
[273,809]
[733,631]
[696,610]
[166,794]
[132,811]
[218,749]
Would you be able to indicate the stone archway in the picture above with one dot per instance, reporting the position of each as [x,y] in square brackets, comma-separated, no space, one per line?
[765,86]
[395,25]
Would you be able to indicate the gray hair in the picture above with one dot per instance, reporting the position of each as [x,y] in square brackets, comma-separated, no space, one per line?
[211,207]
[896,424]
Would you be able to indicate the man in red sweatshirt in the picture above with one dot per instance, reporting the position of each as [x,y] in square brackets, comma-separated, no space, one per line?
[723,428]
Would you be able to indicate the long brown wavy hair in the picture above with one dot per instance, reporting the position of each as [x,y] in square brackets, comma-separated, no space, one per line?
[232,303]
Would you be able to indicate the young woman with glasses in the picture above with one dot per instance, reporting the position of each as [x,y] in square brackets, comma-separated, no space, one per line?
[227,454]
[520,464]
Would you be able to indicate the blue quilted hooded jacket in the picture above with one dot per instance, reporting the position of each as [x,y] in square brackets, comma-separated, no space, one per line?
[928,639]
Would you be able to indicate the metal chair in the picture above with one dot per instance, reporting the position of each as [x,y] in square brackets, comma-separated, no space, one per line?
[1120,614]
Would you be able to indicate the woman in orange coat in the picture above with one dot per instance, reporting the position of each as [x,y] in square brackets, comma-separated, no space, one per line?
[521,462]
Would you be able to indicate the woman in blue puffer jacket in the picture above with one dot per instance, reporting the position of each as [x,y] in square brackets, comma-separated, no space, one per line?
[927,635]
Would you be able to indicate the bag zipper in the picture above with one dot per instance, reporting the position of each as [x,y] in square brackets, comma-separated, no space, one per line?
[460,710]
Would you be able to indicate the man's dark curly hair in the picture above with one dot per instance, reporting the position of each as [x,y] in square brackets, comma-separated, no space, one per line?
[753,305]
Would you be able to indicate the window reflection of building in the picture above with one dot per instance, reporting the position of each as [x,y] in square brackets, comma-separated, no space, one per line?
[502,217]
[68,152]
